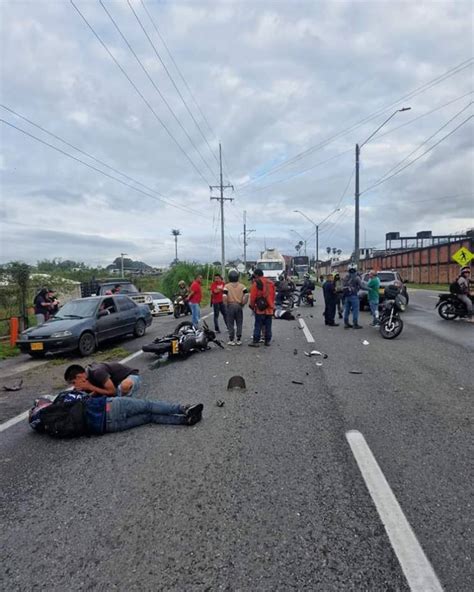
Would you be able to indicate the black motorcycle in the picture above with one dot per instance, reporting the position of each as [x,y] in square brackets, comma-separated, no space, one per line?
[184,340]
[307,299]
[450,307]
[390,322]
[180,307]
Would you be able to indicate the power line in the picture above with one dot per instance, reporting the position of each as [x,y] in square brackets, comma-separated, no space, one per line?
[426,86]
[168,72]
[383,180]
[147,74]
[137,90]
[183,208]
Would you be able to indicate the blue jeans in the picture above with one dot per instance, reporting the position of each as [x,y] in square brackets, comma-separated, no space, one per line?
[137,381]
[262,321]
[351,303]
[124,413]
[374,309]
[219,307]
[196,313]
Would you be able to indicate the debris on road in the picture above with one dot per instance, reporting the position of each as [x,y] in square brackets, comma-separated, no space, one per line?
[355,371]
[365,342]
[315,352]
[319,363]
[220,403]
[236,382]
[296,382]
[295,352]
[15,387]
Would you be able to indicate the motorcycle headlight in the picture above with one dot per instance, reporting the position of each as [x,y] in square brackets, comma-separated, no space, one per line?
[402,307]
[59,334]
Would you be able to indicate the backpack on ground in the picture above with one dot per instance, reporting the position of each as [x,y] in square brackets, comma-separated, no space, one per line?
[455,288]
[65,419]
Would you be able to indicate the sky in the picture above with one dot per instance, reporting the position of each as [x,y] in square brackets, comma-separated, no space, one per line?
[128,148]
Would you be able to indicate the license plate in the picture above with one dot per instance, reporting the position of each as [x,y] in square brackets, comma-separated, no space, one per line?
[381,290]
[174,346]
[36,346]
[163,307]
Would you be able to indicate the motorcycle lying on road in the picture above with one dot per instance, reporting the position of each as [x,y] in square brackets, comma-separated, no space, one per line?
[184,340]
[390,322]
[450,307]
[180,307]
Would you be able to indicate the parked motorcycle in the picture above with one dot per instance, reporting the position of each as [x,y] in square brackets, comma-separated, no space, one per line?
[450,307]
[184,340]
[391,324]
[180,306]
[308,299]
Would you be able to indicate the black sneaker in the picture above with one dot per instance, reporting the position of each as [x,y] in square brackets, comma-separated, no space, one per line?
[267,343]
[357,326]
[347,326]
[254,344]
[194,413]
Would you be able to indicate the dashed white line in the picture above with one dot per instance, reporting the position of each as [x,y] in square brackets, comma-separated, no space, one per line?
[306,331]
[418,570]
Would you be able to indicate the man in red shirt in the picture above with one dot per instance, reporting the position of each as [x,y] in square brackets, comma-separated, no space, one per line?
[217,300]
[194,299]
[262,302]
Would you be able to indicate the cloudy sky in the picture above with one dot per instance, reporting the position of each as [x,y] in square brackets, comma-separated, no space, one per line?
[129,148]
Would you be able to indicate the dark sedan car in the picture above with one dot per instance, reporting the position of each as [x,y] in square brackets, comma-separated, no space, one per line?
[84,323]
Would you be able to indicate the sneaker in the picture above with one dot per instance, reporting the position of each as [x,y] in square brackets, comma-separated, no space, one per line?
[347,326]
[357,326]
[267,343]
[238,342]
[193,413]
[254,344]
[262,340]
[231,342]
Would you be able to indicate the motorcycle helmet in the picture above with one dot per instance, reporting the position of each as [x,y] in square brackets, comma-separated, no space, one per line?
[233,275]
[352,268]
[181,283]
[465,270]
[306,276]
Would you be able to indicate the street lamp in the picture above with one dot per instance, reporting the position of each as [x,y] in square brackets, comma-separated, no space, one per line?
[316,253]
[357,193]
[301,237]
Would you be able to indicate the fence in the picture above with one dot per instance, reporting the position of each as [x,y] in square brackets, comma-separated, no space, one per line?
[426,265]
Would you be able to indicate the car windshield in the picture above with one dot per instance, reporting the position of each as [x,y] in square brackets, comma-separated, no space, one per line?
[124,288]
[158,296]
[386,277]
[269,265]
[77,309]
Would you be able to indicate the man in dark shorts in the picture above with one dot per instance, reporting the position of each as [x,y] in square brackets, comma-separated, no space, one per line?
[109,379]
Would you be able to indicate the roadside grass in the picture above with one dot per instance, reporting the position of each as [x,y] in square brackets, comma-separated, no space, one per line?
[435,287]
[7,351]
[116,353]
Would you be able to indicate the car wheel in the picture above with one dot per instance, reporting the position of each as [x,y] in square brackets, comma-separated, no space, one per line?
[140,328]
[86,345]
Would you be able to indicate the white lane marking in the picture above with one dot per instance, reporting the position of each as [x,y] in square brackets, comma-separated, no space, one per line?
[5,425]
[306,331]
[11,422]
[418,570]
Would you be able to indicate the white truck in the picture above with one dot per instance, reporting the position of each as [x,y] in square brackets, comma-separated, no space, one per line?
[272,263]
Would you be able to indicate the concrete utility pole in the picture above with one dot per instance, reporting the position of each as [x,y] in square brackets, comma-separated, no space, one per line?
[121,260]
[245,233]
[221,199]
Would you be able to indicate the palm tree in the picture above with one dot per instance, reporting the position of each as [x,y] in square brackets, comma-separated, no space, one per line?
[175,232]
[339,252]
[328,250]
[334,250]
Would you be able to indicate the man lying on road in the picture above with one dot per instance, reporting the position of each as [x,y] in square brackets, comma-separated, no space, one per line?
[75,413]
[106,378]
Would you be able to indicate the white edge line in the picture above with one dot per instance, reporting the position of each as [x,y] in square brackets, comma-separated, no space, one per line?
[306,331]
[14,420]
[418,570]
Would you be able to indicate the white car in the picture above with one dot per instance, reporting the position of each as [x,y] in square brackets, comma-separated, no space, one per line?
[161,304]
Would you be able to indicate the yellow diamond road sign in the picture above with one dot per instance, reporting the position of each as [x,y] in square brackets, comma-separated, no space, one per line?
[463,256]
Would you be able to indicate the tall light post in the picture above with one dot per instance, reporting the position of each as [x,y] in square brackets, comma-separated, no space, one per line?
[357,193]
[122,255]
[302,238]
[316,226]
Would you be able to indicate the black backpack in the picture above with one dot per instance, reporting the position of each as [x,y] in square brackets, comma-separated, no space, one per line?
[65,419]
[455,288]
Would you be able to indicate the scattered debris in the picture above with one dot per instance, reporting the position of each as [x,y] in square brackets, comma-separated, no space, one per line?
[315,352]
[296,382]
[355,371]
[461,388]
[295,352]
[236,382]
[365,342]
[227,362]
[15,387]
[307,373]
[220,403]
[319,363]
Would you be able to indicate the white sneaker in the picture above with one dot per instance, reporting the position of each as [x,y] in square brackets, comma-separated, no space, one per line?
[238,342]
[231,343]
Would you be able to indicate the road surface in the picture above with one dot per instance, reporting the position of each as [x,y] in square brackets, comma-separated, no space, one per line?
[266,493]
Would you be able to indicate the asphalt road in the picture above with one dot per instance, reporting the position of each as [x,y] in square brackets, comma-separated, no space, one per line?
[265,493]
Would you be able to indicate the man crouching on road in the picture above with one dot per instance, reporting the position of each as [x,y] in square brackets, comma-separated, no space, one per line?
[104,379]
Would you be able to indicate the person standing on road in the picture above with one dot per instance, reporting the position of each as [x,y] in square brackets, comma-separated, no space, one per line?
[262,302]
[217,300]
[106,378]
[373,296]
[194,299]
[351,284]
[339,294]
[235,298]
[465,290]
[330,299]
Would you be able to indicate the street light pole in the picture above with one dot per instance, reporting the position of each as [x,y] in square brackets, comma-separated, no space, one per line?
[357,191]
[316,226]
[121,259]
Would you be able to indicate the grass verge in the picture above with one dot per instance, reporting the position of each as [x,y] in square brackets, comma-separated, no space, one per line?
[7,351]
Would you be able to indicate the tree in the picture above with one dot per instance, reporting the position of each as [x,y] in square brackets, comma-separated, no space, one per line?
[328,250]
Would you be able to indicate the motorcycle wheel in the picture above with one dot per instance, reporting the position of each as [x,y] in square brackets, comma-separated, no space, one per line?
[447,311]
[391,329]
[157,348]
[176,312]
[182,325]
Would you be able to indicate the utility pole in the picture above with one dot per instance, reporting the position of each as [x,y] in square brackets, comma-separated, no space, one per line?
[357,196]
[121,260]
[222,199]
[246,232]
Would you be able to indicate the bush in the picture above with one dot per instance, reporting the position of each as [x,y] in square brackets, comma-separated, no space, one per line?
[187,272]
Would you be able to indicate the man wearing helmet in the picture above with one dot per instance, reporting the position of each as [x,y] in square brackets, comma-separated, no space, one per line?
[183,293]
[235,298]
[464,293]
[306,288]
[351,285]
